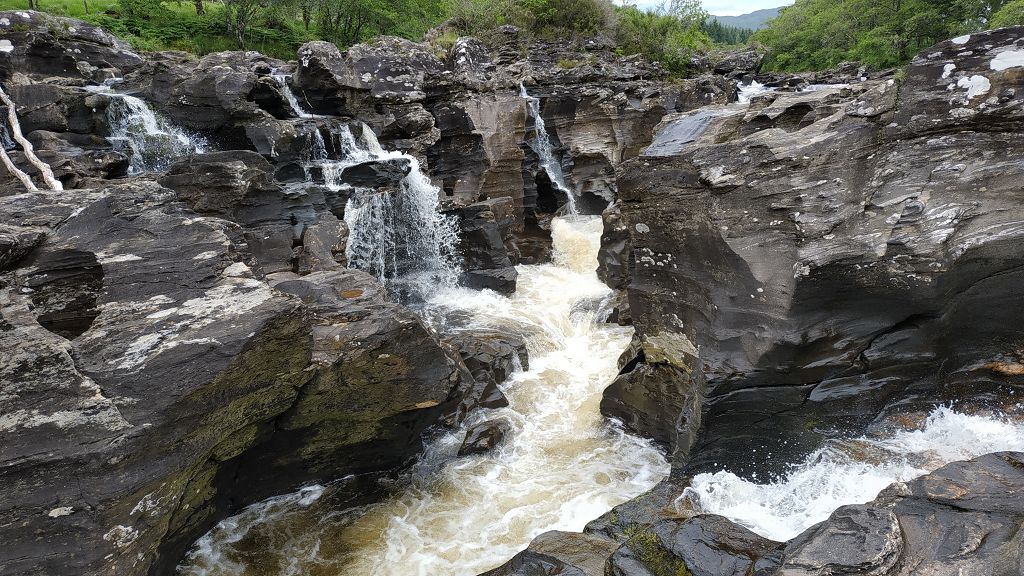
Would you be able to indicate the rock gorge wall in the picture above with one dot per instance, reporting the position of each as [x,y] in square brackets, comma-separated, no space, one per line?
[812,266]
[816,262]
[180,343]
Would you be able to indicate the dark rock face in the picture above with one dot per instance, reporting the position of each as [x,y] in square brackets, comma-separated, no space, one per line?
[964,518]
[286,229]
[464,114]
[484,437]
[854,540]
[152,369]
[226,95]
[488,246]
[828,256]
[46,45]
[704,545]
[561,553]
[738,62]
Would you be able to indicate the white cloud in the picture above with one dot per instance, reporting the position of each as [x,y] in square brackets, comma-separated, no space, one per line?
[725,7]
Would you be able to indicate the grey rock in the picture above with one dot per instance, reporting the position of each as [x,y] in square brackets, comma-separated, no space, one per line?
[859,539]
[705,545]
[484,437]
[44,45]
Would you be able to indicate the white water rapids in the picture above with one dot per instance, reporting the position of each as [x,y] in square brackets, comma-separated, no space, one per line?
[851,472]
[563,466]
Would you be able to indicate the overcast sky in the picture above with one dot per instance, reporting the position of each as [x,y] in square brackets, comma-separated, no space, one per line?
[727,7]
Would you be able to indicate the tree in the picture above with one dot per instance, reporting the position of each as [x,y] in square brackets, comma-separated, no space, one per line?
[1011,14]
[818,34]
[239,14]
[199,7]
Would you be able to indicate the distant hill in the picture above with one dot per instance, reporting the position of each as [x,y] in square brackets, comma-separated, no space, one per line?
[753,21]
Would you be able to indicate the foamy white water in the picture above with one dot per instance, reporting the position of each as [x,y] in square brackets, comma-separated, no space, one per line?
[851,472]
[152,142]
[401,238]
[289,95]
[746,92]
[562,466]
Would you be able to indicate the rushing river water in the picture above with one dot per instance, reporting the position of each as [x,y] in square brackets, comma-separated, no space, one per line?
[852,472]
[563,466]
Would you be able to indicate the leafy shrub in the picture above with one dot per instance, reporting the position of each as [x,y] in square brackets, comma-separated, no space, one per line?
[1011,14]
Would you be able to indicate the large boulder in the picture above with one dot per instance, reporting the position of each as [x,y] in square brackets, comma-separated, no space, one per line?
[42,45]
[231,96]
[824,251]
[486,241]
[964,518]
[705,545]
[284,227]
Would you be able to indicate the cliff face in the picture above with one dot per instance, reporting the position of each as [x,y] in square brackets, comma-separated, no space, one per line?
[818,259]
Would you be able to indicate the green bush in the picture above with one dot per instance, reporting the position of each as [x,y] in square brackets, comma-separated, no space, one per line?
[661,37]
[1011,14]
[818,34]
[475,17]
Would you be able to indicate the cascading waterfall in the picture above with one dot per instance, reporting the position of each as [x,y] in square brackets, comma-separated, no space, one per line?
[152,142]
[401,238]
[546,152]
[851,472]
[562,466]
[293,101]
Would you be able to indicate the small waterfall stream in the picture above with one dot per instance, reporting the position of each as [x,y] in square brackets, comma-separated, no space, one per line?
[563,465]
[152,141]
[289,95]
[399,236]
[546,152]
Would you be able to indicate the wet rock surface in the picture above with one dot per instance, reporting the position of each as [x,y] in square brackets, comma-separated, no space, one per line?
[963,518]
[151,360]
[823,252]
[484,437]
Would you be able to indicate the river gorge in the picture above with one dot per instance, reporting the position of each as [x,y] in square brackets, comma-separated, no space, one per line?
[412,310]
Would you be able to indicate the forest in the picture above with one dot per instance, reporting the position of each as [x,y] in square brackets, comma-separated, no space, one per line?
[818,34]
[809,35]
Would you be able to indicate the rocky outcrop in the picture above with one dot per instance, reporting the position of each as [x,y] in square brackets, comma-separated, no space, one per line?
[829,256]
[42,45]
[488,245]
[964,518]
[152,369]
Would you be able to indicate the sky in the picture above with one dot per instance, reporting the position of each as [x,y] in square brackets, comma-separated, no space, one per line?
[727,7]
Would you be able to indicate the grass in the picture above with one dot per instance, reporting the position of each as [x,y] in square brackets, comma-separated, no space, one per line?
[181,28]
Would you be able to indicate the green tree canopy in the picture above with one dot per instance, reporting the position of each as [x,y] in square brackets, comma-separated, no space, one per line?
[818,34]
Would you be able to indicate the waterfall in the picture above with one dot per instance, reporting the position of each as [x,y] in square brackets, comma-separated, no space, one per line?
[562,465]
[546,152]
[293,101]
[850,472]
[400,236]
[152,142]
[15,130]
[748,91]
